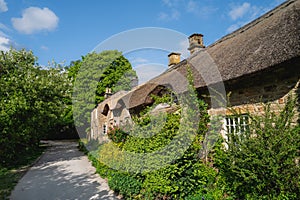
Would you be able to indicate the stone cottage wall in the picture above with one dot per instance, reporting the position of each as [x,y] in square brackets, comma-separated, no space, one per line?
[247,95]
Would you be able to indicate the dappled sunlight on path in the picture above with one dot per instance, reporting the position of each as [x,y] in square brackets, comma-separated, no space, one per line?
[62,172]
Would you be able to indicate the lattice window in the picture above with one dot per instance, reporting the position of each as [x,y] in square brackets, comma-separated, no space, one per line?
[236,124]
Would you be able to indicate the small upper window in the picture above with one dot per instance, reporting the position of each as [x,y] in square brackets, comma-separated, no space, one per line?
[236,124]
[104,129]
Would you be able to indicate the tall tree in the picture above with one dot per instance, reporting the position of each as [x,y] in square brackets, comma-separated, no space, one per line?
[98,71]
[32,102]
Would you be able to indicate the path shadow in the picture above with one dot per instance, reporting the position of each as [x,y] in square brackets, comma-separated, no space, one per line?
[62,173]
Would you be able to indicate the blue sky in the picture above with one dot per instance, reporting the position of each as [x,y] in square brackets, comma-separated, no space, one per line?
[65,30]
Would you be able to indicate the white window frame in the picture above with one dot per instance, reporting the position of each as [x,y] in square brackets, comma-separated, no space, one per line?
[236,124]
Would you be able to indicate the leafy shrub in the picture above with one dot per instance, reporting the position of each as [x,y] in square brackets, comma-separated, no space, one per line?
[185,176]
[116,134]
[125,184]
[34,102]
[261,164]
[180,180]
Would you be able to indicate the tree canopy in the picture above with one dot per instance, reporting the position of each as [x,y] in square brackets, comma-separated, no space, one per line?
[95,73]
[33,102]
[36,102]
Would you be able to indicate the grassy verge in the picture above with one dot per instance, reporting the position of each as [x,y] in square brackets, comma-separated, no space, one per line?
[11,173]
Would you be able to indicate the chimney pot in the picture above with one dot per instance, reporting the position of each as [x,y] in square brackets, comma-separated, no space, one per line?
[108,92]
[174,58]
[196,42]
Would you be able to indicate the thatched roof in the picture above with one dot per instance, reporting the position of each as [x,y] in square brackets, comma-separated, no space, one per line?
[112,101]
[140,95]
[262,44]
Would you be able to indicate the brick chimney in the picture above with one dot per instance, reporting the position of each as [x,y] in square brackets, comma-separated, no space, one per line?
[196,42]
[174,58]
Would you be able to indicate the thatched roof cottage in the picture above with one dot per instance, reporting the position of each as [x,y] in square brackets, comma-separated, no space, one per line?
[259,62]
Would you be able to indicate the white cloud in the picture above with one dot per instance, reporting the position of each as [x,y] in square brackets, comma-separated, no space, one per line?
[5,40]
[3,6]
[239,11]
[35,19]
[4,43]
[174,14]
[246,13]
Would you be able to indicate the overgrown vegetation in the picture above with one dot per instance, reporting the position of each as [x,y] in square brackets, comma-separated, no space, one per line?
[117,135]
[92,75]
[184,176]
[34,104]
[261,163]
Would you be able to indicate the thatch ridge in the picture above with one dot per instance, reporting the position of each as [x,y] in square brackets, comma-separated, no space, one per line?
[262,44]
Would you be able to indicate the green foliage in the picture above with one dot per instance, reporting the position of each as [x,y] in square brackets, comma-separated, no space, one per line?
[116,134]
[127,185]
[185,176]
[32,103]
[92,75]
[262,163]
[117,76]
[162,136]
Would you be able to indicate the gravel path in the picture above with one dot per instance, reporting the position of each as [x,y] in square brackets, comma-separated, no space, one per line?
[63,172]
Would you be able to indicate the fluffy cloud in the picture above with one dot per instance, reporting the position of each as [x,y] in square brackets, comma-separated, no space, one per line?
[35,19]
[245,13]
[3,6]
[239,11]
[4,43]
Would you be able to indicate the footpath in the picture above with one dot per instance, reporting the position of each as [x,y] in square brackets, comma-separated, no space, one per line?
[62,172]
